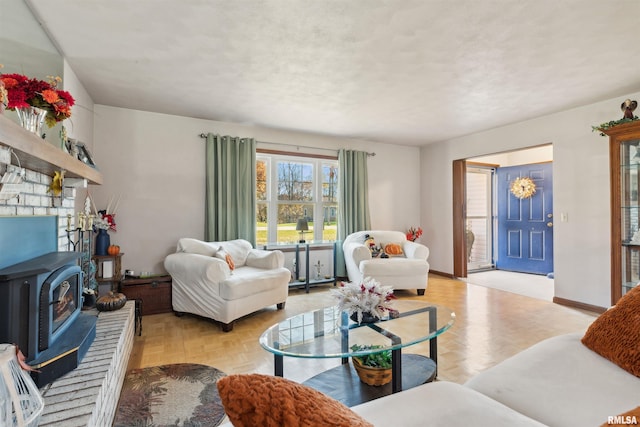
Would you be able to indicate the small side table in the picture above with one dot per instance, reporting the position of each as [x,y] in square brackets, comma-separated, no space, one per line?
[154,293]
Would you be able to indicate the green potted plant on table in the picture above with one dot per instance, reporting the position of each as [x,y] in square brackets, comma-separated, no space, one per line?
[374,368]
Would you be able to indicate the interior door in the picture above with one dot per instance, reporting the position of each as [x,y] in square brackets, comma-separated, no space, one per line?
[525,226]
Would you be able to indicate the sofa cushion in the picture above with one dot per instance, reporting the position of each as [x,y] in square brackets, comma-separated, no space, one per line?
[263,400]
[559,381]
[247,281]
[379,267]
[226,257]
[440,403]
[615,334]
[195,246]
[238,249]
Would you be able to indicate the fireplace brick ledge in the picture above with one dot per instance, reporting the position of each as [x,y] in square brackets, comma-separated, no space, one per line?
[88,395]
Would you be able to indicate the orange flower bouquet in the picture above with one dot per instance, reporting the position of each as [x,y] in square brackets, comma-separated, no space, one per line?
[24,92]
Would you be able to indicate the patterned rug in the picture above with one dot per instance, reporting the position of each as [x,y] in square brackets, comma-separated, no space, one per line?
[183,394]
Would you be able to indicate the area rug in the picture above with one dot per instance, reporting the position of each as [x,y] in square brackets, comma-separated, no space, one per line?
[182,394]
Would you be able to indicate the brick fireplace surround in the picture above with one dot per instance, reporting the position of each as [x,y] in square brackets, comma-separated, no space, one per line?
[88,395]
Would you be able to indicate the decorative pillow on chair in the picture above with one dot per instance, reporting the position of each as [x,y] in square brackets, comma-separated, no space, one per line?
[195,246]
[226,256]
[262,400]
[393,249]
[615,334]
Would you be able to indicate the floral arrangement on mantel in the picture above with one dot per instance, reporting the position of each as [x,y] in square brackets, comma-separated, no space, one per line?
[414,233]
[25,92]
[368,297]
[627,107]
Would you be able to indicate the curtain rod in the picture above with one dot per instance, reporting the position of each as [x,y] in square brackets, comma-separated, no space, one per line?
[204,135]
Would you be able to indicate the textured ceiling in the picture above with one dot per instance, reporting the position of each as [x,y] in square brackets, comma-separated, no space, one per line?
[396,71]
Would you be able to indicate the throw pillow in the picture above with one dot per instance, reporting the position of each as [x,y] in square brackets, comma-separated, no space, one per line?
[629,417]
[194,246]
[393,249]
[238,249]
[262,400]
[226,256]
[615,334]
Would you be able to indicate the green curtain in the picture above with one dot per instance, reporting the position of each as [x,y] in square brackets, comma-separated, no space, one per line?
[230,203]
[353,214]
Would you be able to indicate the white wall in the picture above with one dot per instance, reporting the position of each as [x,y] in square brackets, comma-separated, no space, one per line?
[518,157]
[581,190]
[156,163]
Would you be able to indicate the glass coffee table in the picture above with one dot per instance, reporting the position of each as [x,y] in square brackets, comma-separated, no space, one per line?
[329,333]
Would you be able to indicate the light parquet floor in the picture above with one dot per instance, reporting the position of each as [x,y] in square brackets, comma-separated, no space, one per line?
[491,325]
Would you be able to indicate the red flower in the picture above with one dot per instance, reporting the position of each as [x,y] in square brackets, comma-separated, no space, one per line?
[24,92]
[414,233]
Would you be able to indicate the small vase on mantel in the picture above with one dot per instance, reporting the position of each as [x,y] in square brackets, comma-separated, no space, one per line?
[103,240]
[32,119]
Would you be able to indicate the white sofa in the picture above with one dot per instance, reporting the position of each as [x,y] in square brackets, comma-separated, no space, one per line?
[557,382]
[587,378]
[408,271]
[204,284]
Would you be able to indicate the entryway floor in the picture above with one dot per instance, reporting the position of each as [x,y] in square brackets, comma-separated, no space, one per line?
[531,285]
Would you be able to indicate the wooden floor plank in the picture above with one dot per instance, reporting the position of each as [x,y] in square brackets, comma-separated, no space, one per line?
[491,325]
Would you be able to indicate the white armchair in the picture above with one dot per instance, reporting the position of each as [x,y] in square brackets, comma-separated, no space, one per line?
[204,283]
[409,270]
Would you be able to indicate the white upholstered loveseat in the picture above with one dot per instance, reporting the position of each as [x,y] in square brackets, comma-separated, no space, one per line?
[204,284]
[407,271]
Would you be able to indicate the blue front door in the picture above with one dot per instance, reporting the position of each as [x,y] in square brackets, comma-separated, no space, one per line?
[525,226]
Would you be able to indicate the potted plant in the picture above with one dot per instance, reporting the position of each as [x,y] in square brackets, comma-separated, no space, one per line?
[374,368]
[366,302]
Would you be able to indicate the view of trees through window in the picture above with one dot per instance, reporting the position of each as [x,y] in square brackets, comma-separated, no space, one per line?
[292,188]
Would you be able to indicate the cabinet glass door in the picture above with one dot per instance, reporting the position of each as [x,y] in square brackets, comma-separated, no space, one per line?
[630,207]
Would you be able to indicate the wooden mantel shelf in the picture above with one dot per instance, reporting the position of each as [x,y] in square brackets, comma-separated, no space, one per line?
[40,156]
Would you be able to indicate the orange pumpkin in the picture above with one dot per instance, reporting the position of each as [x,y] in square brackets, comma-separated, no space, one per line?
[113,250]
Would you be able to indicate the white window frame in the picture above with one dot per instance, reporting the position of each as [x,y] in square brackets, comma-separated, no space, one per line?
[272,201]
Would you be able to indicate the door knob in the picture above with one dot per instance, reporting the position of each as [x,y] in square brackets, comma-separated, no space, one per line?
[550,224]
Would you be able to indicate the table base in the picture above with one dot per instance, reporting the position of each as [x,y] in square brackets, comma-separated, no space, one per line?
[343,384]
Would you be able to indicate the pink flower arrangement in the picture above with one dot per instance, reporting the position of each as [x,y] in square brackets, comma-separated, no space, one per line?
[414,233]
[23,92]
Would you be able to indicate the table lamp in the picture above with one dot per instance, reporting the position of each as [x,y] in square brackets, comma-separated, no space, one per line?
[302,226]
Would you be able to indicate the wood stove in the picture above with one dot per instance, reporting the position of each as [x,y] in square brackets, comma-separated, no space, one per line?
[40,312]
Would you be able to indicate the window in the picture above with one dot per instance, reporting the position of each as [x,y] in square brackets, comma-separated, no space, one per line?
[289,188]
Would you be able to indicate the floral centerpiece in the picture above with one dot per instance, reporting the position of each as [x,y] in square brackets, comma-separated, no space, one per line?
[361,300]
[414,233]
[25,92]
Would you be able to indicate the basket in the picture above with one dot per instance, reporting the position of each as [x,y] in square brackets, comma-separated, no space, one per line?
[20,401]
[371,376]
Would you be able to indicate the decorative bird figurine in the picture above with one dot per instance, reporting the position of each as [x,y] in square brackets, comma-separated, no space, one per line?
[627,107]
[56,183]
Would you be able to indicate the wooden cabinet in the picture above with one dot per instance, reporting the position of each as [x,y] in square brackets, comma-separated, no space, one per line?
[108,272]
[154,293]
[624,163]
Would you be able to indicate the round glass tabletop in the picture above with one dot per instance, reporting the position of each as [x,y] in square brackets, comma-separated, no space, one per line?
[329,333]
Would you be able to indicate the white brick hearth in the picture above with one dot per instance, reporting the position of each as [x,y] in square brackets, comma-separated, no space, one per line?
[88,395]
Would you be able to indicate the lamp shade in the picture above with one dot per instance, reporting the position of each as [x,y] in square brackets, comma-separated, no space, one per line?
[302,225]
